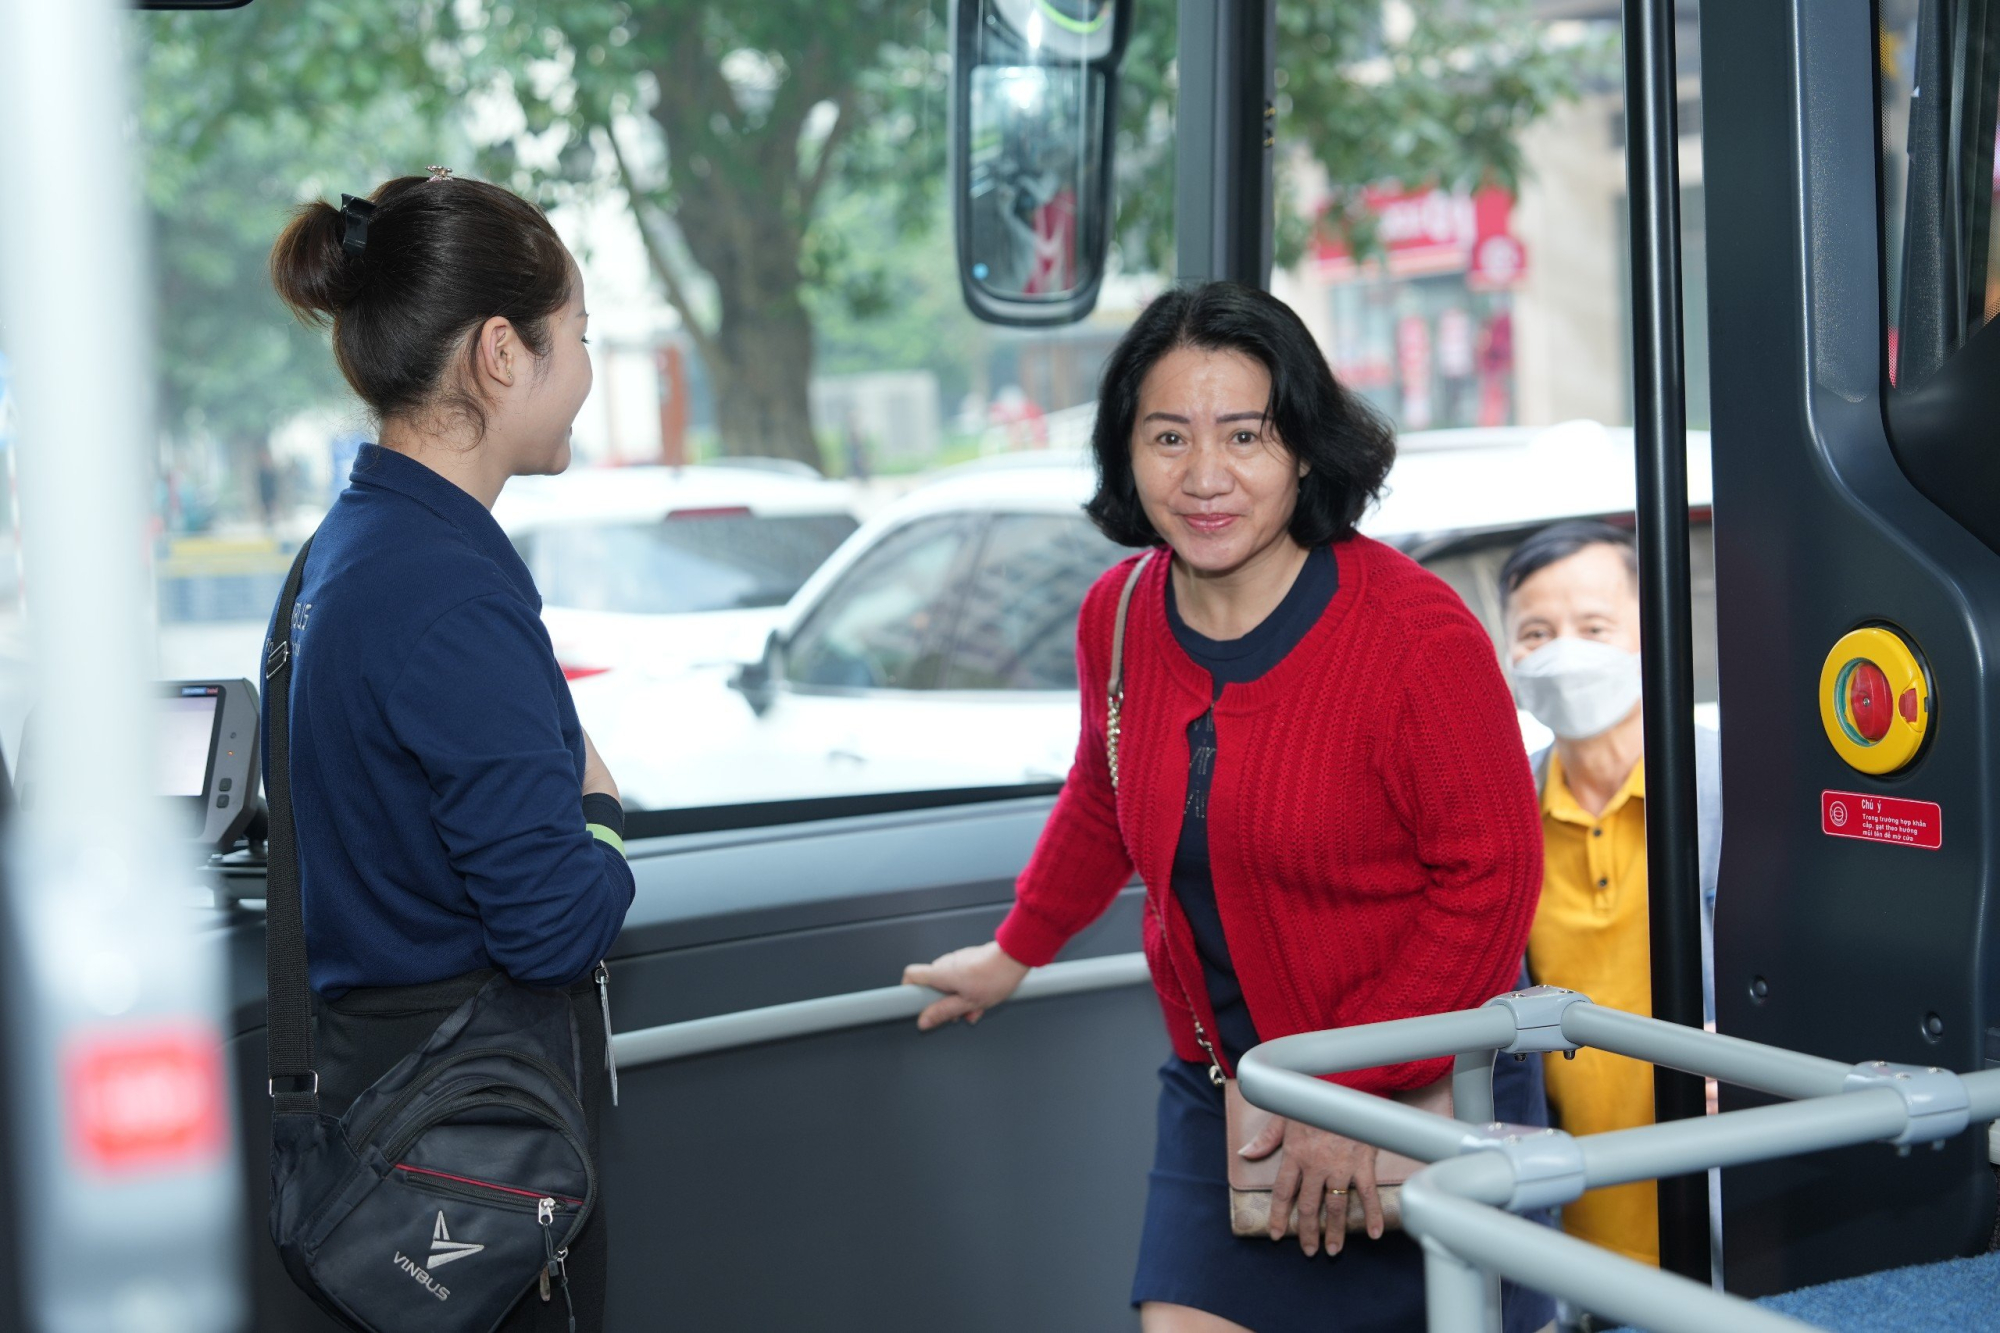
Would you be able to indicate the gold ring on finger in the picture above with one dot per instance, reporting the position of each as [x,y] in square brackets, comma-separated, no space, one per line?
[1336,1191]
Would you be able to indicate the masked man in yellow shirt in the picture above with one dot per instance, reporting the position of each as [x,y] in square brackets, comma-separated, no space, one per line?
[1571,595]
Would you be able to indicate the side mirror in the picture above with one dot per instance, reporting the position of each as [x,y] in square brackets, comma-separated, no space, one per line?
[1034,120]
[758,681]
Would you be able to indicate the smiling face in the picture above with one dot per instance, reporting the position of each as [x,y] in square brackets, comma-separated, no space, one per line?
[1589,595]
[1213,477]
[544,403]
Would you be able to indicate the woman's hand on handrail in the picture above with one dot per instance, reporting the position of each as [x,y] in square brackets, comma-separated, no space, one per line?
[973,980]
[1319,1168]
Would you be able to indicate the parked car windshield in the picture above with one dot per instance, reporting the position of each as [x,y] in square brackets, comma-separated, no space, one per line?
[704,562]
[885,625]
[1018,628]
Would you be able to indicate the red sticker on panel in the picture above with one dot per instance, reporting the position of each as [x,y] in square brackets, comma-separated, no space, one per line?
[147,1099]
[1849,814]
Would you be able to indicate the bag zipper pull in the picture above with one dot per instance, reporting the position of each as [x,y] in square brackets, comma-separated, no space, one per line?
[545,1218]
[562,1262]
[1215,1074]
[603,975]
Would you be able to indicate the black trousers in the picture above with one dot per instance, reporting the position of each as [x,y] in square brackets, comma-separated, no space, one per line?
[360,1037]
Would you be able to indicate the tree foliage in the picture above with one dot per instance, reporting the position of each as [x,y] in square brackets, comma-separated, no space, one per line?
[784,159]
[242,116]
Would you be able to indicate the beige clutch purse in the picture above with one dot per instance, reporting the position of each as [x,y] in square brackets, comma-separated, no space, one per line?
[1250,1183]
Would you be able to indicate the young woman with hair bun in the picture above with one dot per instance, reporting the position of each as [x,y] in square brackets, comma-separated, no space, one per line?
[454,821]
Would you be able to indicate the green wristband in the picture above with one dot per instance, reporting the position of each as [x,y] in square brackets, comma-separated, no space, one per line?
[609,837]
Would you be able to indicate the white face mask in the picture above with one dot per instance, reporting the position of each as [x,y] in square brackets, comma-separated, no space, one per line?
[1578,688]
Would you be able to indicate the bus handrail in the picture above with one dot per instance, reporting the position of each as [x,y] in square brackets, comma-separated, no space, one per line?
[833,1013]
[1459,1207]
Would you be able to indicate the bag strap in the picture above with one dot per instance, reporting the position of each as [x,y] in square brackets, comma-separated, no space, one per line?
[1115,705]
[1115,689]
[294,1084]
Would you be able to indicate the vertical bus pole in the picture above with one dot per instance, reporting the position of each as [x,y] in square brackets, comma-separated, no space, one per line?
[118,1101]
[1222,155]
[1659,421]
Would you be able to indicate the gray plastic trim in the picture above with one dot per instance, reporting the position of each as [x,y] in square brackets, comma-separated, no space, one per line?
[1934,1099]
[1547,1163]
[1538,1014]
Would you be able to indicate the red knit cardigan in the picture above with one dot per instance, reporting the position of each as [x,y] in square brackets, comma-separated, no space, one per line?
[1372,826]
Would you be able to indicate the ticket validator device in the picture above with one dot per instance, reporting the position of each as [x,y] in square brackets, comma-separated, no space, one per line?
[206,753]
[1849,158]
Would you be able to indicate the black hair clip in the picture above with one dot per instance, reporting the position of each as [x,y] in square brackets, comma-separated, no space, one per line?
[354,215]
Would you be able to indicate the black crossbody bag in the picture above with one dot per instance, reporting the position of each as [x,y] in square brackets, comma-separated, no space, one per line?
[454,1183]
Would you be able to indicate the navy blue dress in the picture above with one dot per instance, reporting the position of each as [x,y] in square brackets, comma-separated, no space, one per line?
[1187,1255]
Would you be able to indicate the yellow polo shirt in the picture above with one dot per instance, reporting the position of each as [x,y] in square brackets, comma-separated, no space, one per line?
[1591,934]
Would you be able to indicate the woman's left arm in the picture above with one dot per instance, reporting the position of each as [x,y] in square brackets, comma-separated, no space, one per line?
[1457,774]
[476,705]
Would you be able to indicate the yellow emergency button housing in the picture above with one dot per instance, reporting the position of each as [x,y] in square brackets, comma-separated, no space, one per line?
[1875,700]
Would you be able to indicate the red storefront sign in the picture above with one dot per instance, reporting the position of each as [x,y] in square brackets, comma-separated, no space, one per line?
[1499,260]
[1430,231]
[1413,363]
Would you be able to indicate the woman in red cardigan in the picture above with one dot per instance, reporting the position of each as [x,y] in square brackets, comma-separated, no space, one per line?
[1320,781]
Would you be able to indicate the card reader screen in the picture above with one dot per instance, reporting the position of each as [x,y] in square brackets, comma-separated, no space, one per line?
[187,730]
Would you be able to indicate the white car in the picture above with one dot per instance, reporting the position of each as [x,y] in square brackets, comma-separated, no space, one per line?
[936,648]
[648,572]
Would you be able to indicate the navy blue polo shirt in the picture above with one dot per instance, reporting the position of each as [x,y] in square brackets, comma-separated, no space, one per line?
[437,762]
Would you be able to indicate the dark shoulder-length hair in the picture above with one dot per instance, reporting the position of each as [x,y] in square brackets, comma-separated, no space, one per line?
[1348,446]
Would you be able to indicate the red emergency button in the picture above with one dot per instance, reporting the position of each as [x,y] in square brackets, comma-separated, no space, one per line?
[1875,699]
[1868,701]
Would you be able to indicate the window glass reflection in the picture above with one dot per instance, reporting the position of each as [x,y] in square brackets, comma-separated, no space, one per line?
[884,625]
[1018,628]
[708,563]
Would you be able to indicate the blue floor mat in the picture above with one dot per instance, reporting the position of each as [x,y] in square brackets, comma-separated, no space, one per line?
[1960,1295]
[1957,1296]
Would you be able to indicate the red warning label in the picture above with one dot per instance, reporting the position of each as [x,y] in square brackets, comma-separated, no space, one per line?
[1849,814]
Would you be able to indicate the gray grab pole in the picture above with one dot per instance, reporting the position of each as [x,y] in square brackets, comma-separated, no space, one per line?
[833,1013]
[1444,1221]
[1283,1076]
[1472,1087]
[1683,1147]
[1455,1208]
[1395,1042]
[1746,1064]
[1982,1091]
[1459,1296]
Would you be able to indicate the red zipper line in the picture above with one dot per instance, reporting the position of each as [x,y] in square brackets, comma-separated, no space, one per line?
[484,1184]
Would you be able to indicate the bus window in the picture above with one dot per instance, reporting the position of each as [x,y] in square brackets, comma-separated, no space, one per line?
[1939,81]
[764,223]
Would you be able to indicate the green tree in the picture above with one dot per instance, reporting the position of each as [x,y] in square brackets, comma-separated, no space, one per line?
[784,159]
[726,126]
[767,121]
[1440,99]
[242,115]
